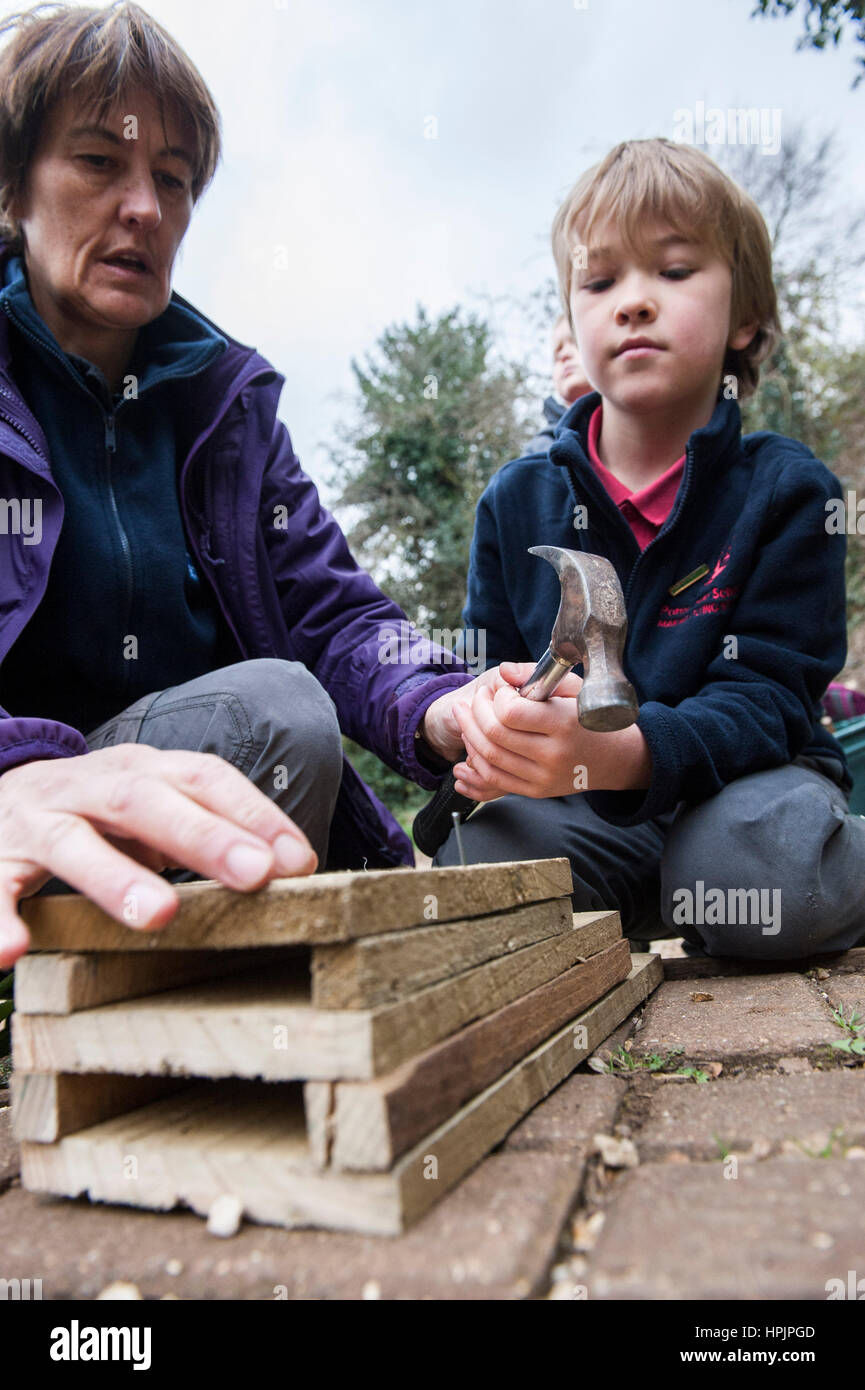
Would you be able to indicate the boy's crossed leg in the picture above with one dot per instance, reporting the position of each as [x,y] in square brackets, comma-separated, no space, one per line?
[771,868]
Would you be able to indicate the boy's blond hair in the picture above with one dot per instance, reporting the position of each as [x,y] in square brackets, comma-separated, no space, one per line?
[644,181]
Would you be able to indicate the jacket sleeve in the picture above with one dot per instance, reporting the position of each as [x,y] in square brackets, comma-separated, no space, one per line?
[27,740]
[379,670]
[488,617]
[757,710]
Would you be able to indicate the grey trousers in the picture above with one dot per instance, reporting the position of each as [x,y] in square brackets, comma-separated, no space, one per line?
[771,868]
[267,717]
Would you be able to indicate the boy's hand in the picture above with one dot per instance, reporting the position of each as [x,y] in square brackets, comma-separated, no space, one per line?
[539,748]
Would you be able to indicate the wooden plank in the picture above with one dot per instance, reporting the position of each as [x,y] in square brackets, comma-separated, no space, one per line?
[263,1025]
[381,969]
[47,1105]
[62,982]
[249,1140]
[318,908]
[318,1101]
[374,1122]
[461,1142]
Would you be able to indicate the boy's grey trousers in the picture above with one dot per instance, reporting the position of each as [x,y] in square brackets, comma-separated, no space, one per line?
[773,867]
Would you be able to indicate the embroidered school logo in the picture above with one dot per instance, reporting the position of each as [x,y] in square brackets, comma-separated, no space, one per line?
[706,595]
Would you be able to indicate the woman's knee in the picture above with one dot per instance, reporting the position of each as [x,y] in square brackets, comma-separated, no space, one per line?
[290,713]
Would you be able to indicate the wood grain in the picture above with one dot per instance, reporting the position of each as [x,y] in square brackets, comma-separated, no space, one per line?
[320,908]
[382,969]
[262,1023]
[374,1122]
[250,1140]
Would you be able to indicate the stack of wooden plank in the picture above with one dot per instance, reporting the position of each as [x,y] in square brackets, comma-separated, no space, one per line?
[336,1051]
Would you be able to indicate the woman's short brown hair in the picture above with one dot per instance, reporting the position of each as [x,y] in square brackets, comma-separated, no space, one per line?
[99,55]
[658,180]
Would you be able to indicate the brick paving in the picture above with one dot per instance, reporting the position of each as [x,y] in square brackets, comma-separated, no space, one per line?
[630,1185]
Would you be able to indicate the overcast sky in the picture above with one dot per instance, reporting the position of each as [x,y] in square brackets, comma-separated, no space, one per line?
[325,105]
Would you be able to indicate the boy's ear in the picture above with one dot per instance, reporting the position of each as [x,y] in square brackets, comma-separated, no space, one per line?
[741,337]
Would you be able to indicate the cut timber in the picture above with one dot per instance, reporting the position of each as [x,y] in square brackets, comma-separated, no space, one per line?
[381,969]
[320,908]
[263,1025]
[45,1106]
[62,982]
[369,1124]
[218,1139]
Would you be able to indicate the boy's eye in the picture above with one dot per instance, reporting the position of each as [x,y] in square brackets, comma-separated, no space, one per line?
[678,272]
[599,283]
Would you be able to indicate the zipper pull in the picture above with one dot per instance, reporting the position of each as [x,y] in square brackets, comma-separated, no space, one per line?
[110,436]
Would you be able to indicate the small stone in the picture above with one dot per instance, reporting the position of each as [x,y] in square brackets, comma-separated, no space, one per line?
[597,1064]
[174,1267]
[371,1290]
[120,1289]
[616,1153]
[699,997]
[855,1152]
[586,1229]
[713,1068]
[821,1240]
[791,1065]
[224,1216]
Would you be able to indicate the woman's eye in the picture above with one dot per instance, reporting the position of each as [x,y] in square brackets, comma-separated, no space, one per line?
[91,157]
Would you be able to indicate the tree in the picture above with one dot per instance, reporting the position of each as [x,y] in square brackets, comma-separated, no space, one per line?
[437,413]
[824,22]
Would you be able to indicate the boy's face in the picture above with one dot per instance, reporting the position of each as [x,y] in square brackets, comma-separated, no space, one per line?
[676,302]
[569,378]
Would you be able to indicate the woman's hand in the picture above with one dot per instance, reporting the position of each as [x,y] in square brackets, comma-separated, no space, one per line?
[538,748]
[108,821]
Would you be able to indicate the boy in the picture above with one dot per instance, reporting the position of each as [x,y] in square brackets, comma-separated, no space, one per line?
[721,815]
[569,383]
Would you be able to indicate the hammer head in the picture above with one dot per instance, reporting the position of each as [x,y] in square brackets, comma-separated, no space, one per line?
[590,628]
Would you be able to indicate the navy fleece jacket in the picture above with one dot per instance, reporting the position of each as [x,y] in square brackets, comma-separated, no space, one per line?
[753,510]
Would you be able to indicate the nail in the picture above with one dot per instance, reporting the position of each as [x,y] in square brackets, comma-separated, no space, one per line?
[247,863]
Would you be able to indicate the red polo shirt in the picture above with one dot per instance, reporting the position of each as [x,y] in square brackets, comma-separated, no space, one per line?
[646,510]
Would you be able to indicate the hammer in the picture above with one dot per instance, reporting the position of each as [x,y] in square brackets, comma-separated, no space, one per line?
[590,627]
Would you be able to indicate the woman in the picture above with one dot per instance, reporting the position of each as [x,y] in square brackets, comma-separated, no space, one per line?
[187,595]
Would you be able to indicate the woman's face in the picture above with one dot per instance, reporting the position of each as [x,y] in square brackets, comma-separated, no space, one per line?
[92,192]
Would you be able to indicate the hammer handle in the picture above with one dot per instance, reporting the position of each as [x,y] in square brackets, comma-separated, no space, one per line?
[433,824]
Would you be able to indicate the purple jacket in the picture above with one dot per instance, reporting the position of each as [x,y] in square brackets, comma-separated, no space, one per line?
[280,567]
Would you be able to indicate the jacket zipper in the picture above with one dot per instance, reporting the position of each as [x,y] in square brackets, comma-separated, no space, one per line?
[110,450]
[672,520]
[17,425]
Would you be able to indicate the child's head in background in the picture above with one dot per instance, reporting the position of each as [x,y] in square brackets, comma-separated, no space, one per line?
[569,379]
[657,242]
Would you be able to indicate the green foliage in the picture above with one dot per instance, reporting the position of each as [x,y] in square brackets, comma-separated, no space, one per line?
[437,415]
[824,22]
